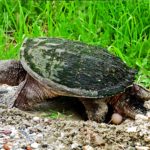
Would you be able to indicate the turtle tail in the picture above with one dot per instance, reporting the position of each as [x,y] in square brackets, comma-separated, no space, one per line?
[11,72]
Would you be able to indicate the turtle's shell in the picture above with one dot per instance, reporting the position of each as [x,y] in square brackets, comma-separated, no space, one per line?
[75,68]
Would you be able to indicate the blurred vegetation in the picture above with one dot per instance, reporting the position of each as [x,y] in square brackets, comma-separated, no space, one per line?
[121,26]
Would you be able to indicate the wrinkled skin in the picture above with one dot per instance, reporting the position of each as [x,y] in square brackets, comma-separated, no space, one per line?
[31,92]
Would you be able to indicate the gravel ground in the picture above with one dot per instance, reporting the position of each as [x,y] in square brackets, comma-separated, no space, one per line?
[21,130]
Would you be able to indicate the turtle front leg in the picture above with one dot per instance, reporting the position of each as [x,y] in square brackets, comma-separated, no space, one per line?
[132,102]
[30,93]
[11,72]
[96,109]
[121,104]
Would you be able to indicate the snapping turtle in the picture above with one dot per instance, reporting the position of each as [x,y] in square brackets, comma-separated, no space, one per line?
[51,67]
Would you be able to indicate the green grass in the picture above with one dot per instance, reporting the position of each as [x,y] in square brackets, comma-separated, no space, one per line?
[121,26]
[54,114]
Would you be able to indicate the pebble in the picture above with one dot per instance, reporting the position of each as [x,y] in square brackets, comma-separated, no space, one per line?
[34,145]
[88,147]
[46,120]
[148,115]
[142,148]
[28,147]
[36,119]
[44,145]
[6,146]
[60,146]
[141,117]
[147,104]
[39,137]
[147,138]
[1,145]
[99,141]
[131,129]
[74,145]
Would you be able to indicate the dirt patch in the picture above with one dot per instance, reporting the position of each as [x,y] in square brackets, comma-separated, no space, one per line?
[61,134]
[20,129]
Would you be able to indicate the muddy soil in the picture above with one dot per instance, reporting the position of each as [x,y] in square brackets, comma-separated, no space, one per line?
[69,130]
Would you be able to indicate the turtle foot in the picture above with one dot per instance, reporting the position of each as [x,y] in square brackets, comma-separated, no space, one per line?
[30,93]
[96,109]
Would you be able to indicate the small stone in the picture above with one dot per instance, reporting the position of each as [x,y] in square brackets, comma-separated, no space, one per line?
[24,146]
[36,119]
[34,145]
[87,147]
[44,145]
[131,129]
[28,147]
[99,141]
[137,144]
[46,120]
[6,146]
[147,104]
[130,148]
[147,139]
[1,146]
[62,134]
[61,146]
[141,117]
[39,137]
[13,134]
[51,139]
[26,123]
[6,132]
[141,148]
[103,125]
[74,145]
[148,115]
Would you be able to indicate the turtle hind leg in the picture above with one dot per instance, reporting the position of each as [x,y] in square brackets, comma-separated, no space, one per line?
[96,109]
[30,93]
[11,72]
